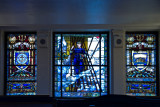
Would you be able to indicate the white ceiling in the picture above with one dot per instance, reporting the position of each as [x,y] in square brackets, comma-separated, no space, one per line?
[79,12]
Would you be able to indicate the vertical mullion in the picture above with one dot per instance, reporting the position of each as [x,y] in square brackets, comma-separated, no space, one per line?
[61,65]
[100,63]
[34,59]
[157,64]
[126,63]
[53,66]
[70,55]
[5,64]
[108,67]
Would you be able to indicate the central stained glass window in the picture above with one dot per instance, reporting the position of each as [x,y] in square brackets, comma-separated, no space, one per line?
[81,64]
[21,64]
[141,72]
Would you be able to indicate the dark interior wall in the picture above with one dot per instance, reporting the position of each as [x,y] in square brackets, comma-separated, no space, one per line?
[49,12]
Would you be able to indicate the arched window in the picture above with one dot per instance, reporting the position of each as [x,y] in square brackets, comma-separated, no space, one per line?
[80,64]
[21,64]
[142,72]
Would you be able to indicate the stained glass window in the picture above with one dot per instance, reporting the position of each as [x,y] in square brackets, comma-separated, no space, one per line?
[141,52]
[81,64]
[21,66]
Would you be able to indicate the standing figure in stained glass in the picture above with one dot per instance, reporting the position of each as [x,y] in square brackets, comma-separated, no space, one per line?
[79,54]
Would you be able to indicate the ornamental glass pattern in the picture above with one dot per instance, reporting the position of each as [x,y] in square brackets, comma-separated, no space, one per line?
[141,69]
[21,64]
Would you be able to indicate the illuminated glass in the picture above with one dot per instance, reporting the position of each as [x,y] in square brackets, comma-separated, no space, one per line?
[81,65]
[141,64]
[21,64]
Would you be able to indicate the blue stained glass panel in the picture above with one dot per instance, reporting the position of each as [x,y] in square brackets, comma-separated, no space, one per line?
[21,88]
[21,64]
[141,64]
[141,89]
[78,61]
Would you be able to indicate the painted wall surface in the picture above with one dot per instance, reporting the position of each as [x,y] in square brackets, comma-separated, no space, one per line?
[79,12]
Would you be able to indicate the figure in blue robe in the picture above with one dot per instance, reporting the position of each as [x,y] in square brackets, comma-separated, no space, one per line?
[79,55]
